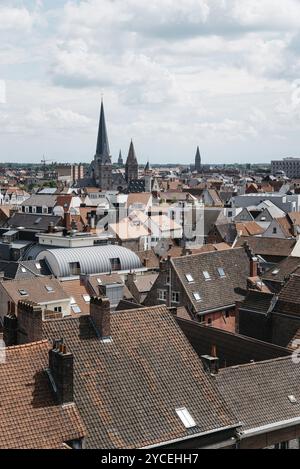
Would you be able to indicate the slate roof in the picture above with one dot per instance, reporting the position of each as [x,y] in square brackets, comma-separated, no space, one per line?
[257,301]
[228,232]
[30,418]
[150,257]
[218,292]
[41,200]
[33,222]
[127,390]
[258,393]
[23,270]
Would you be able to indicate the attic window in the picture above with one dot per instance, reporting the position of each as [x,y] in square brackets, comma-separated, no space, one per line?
[206,275]
[23,270]
[197,296]
[221,272]
[189,278]
[86,298]
[38,265]
[186,417]
[49,289]
[76,309]
[23,292]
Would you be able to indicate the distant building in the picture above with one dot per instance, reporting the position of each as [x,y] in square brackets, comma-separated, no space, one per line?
[69,173]
[120,159]
[198,165]
[290,166]
[131,167]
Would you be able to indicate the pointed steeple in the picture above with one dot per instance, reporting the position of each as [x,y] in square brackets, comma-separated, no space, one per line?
[132,166]
[131,159]
[120,159]
[198,161]
[102,142]
[147,167]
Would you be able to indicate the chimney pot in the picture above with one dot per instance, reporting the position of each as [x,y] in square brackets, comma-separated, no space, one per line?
[61,366]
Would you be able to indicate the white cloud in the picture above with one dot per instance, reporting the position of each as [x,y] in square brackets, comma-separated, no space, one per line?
[15,19]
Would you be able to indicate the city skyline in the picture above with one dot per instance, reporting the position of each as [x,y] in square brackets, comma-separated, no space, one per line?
[174,75]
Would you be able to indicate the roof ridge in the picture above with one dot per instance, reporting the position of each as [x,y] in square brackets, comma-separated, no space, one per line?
[30,345]
[245,365]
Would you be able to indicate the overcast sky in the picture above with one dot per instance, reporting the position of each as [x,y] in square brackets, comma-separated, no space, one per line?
[221,74]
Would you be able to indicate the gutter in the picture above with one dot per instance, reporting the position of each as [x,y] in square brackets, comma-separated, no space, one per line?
[271,426]
[214,310]
[192,437]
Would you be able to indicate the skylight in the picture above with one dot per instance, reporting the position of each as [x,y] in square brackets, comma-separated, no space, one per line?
[197,296]
[86,298]
[76,309]
[221,272]
[49,289]
[185,417]
[206,275]
[23,292]
[72,300]
[23,270]
[38,265]
[189,278]
[99,281]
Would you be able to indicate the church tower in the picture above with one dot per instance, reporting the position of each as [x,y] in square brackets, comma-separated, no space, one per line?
[120,159]
[198,166]
[131,167]
[101,168]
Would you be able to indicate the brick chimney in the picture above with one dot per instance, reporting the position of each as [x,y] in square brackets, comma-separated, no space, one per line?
[253,267]
[61,371]
[30,321]
[100,315]
[10,330]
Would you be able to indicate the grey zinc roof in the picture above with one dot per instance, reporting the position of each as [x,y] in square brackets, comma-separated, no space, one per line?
[92,260]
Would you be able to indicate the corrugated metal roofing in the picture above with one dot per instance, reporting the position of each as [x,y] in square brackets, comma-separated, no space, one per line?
[92,260]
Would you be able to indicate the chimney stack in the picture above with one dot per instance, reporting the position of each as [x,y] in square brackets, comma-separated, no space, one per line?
[210,364]
[100,315]
[62,370]
[30,321]
[253,267]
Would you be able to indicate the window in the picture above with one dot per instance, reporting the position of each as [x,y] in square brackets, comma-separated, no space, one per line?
[221,272]
[72,300]
[197,296]
[209,321]
[23,292]
[76,309]
[168,280]
[45,210]
[115,264]
[206,275]
[227,314]
[86,298]
[189,278]
[37,221]
[74,268]
[274,230]
[162,295]
[186,417]
[38,265]
[23,270]
[58,309]
[175,297]
[99,281]
[49,289]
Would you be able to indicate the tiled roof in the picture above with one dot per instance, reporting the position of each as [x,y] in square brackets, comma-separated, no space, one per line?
[289,297]
[269,246]
[282,270]
[127,390]
[30,418]
[145,282]
[150,258]
[76,290]
[259,393]
[218,291]
[37,291]
[257,301]
[250,228]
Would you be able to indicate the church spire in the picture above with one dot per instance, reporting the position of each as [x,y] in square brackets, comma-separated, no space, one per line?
[120,160]
[132,166]
[198,160]
[102,142]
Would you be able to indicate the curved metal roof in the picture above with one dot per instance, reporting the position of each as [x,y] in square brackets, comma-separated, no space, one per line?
[92,260]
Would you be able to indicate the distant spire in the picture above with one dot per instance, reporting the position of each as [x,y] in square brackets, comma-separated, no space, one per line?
[198,160]
[102,142]
[147,167]
[131,159]
[120,160]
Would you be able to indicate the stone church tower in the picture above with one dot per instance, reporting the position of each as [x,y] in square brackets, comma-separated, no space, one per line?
[131,167]
[198,165]
[101,168]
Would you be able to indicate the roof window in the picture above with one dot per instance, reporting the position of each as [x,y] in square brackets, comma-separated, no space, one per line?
[185,417]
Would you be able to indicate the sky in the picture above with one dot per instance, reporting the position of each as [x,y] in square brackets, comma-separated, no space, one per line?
[174,74]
